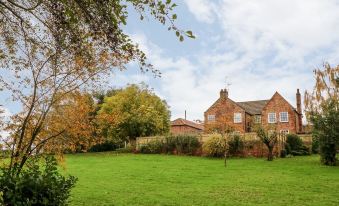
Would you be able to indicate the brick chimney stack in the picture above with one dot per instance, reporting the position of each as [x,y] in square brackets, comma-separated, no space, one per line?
[224,93]
[299,110]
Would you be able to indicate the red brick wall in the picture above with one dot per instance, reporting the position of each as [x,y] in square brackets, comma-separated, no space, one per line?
[224,110]
[276,105]
[184,129]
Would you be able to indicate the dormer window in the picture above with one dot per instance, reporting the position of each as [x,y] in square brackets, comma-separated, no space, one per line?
[211,117]
[283,116]
[272,118]
[237,117]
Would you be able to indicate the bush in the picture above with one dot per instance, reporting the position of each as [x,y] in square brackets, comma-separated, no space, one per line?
[295,146]
[104,147]
[283,153]
[35,185]
[214,147]
[315,145]
[236,145]
[181,144]
[152,147]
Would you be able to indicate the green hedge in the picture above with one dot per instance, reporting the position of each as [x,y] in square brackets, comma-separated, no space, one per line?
[180,144]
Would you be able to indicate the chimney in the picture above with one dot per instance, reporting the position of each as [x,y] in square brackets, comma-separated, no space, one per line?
[224,93]
[185,114]
[299,110]
[298,97]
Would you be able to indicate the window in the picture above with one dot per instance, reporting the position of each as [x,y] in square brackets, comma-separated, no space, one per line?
[283,116]
[211,117]
[284,131]
[257,119]
[237,117]
[272,118]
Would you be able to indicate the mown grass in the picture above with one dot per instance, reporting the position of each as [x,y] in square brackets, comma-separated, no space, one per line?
[127,179]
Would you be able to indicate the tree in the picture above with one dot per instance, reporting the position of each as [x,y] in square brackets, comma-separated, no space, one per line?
[322,110]
[51,48]
[133,112]
[222,127]
[75,116]
[269,138]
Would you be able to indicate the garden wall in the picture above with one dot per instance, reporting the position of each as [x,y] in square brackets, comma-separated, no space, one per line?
[252,144]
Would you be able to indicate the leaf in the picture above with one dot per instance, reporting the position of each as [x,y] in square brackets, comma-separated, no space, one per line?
[174,16]
[181,38]
[177,33]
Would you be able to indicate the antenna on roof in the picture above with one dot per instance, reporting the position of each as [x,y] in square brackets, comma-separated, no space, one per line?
[227,83]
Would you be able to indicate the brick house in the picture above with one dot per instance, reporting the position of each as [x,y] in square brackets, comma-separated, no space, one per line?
[242,116]
[183,126]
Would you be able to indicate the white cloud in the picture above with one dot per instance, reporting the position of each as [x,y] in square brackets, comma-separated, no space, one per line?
[203,10]
[262,46]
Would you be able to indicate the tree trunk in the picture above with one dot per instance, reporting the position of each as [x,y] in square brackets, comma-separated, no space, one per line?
[270,154]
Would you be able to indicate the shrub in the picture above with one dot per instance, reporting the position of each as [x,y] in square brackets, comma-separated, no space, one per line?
[186,144]
[104,147]
[152,147]
[36,185]
[295,146]
[294,141]
[236,145]
[214,147]
[315,144]
[127,149]
[181,144]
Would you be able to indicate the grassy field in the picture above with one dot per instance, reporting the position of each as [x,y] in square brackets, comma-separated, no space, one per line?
[126,179]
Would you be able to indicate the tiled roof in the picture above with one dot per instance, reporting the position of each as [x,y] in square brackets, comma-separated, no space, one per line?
[182,122]
[253,107]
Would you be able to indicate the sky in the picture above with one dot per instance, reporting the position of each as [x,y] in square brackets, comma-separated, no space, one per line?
[252,47]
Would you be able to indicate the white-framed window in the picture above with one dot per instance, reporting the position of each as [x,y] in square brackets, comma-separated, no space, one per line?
[211,117]
[272,118]
[257,119]
[283,116]
[284,131]
[237,117]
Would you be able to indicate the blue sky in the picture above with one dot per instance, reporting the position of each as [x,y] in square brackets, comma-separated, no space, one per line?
[258,46]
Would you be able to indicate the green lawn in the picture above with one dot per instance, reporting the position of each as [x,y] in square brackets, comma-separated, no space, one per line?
[126,179]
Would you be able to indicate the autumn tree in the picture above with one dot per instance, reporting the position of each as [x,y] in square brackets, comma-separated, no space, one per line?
[322,110]
[51,48]
[221,126]
[269,137]
[132,112]
[74,115]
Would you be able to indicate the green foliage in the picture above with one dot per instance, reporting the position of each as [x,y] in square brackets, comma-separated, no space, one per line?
[269,138]
[315,145]
[294,142]
[235,145]
[104,147]
[136,111]
[295,146]
[36,185]
[215,146]
[326,130]
[152,147]
[181,144]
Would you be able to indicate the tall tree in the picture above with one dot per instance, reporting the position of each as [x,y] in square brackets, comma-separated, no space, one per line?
[133,112]
[50,48]
[322,110]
